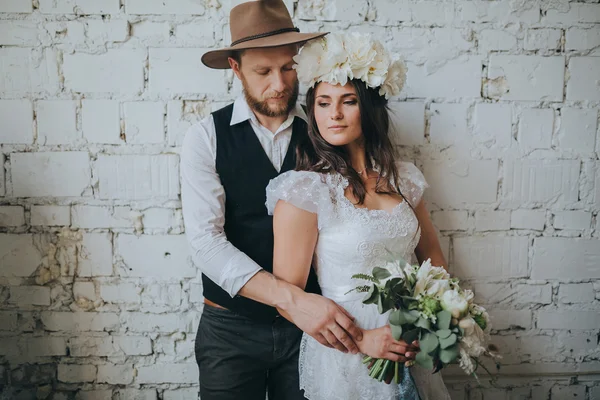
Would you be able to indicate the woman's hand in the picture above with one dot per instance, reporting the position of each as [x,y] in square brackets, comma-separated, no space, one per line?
[379,343]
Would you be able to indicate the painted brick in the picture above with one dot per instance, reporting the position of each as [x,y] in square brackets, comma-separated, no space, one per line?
[79,321]
[30,295]
[573,320]
[542,39]
[136,394]
[115,374]
[93,217]
[101,121]
[41,174]
[407,123]
[486,11]
[571,258]
[492,124]
[117,70]
[457,183]
[583,39]
[456,78]
[80,7]
[16,6]
[57,122]
[451,220]
[144,122]
[181,71]
[19,255]
[168,373]
[120,293]
[76,373]
[528,219]
[576,293]
[577,129]
[162,256]
[535,128]
[95,255]
[526,77]
[572,220]
[19,33]
[532,182]
[24,70]
[138,177]
[448,125]
[576,14]
[16,120]
[578,85]
[491,39]
[492,220]
[510,319]
[12,216]
[490,256]
[161,7]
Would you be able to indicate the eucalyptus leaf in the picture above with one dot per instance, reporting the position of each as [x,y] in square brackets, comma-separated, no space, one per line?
[428,343]
[449,355]
[443,319]
[411,336]
[381,273]
[372,295]
[397,318]
[443,333]
[410,316]
[424,360]
[423,323]
[396,331]
[447,342]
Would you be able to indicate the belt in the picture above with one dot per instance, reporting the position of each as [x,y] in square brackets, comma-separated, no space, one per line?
[213,304]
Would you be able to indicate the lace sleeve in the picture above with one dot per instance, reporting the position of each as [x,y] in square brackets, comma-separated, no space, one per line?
[303,189]
[412,182]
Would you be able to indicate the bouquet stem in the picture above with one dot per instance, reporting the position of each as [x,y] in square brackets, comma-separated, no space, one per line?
[396,372]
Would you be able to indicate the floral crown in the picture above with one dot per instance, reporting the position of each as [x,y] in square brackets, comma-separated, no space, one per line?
[338,58]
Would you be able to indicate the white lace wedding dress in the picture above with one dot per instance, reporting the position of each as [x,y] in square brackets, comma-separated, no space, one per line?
[352,240]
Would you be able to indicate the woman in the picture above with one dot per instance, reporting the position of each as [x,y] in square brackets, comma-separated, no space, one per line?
[347,208]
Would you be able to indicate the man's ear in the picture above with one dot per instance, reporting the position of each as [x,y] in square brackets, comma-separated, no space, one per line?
[235,66]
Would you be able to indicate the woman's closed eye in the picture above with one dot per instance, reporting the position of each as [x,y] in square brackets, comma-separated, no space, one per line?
[323,105]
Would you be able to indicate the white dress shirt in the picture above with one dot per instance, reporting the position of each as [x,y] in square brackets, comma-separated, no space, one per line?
[203,196]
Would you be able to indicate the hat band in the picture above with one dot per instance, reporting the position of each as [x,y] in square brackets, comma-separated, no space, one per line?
[263,35]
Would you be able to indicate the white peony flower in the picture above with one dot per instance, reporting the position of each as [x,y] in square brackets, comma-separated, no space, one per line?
[455,303]
[394,81]
[338,58]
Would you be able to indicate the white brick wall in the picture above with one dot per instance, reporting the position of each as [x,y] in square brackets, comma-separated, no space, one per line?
[99,299]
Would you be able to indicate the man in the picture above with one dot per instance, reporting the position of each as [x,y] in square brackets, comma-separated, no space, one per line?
[244,348]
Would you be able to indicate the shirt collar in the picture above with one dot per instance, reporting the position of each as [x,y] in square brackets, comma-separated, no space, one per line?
[242,112]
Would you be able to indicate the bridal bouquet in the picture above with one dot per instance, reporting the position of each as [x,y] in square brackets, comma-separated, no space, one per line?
[429,306]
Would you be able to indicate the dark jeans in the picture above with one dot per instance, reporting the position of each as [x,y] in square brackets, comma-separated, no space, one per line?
[244,359]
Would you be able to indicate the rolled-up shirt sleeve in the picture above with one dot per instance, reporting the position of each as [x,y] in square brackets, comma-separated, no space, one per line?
[203,203]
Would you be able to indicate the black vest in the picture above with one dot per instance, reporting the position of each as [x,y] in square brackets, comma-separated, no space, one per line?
[245,171]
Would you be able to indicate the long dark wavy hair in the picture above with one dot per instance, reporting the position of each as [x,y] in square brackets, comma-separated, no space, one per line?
[316,154]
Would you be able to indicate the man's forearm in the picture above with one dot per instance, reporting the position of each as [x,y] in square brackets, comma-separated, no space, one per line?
[265,288]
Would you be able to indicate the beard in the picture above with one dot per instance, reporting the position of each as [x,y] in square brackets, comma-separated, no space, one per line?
[272,110]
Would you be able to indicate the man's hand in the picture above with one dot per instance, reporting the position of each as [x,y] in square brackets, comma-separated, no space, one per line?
[324,320]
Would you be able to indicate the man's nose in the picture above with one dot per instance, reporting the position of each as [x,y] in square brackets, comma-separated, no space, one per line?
[277,83]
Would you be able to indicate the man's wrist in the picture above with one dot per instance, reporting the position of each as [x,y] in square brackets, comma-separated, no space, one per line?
[287,295]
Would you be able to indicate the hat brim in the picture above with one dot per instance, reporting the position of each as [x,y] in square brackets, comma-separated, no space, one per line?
[217,59]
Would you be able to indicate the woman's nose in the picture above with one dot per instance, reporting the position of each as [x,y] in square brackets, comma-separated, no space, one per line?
[336,114]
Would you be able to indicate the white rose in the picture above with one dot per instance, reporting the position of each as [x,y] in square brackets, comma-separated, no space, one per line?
[361,53]
[453,302]
[394,81]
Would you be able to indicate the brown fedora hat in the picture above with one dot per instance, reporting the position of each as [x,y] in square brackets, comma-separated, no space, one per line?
[256,24]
